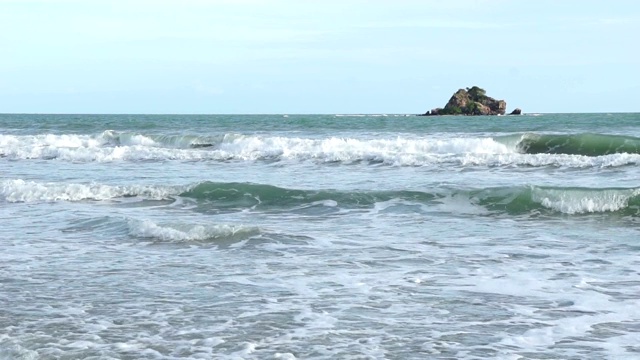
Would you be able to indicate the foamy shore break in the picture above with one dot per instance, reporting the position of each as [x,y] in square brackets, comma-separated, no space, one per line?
[472,101]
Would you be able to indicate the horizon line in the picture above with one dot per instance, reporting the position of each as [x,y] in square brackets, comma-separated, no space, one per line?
[295,114]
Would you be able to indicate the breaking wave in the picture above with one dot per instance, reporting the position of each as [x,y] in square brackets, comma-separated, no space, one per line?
[19,190]
[181,233]
[576,151]
[511,200]
[259,197]
[579,144]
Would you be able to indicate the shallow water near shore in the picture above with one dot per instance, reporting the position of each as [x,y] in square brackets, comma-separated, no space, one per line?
[319,236]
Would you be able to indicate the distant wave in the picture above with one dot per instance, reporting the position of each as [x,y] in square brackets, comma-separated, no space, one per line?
[372,115]
[259,197]
[579,144]
[167,141]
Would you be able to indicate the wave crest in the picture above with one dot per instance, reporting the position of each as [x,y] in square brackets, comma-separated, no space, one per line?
[510,150]
[578,144]
[180,233]
[212,196]
[19,190]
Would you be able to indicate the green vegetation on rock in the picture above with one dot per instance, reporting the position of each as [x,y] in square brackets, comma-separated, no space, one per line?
[471,101]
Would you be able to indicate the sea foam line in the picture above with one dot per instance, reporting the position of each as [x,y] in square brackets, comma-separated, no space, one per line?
[18,190]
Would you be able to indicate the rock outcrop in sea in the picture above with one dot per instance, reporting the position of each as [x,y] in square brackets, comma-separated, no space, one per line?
[472,101]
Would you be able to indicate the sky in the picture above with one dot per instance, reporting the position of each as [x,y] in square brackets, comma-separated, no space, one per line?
[304,56]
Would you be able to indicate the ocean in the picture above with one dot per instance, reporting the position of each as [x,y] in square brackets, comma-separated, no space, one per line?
[319,237]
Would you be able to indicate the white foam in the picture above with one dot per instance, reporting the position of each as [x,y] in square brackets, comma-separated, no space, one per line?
[43,146]
[186,232]
[327,203]
[350,149]
[15,351]
[247,349]
[284,356]
[584,201]
[400,151]
[556,160]
[137,140]
[18,190]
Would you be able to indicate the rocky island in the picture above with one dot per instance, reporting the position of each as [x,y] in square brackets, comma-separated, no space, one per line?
[472,101]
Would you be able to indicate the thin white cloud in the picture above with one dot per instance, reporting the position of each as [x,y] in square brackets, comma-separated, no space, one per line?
[207,89]
[618,21]
[435,24]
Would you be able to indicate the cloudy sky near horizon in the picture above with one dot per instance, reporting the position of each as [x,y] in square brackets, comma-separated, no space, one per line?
[297,56]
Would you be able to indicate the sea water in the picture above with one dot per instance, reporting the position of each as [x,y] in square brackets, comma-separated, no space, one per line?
[319,237]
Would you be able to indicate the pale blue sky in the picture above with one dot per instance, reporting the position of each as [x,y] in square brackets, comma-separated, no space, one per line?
[330,56]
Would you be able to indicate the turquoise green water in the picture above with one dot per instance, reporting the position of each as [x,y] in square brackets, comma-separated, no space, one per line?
[319,236]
